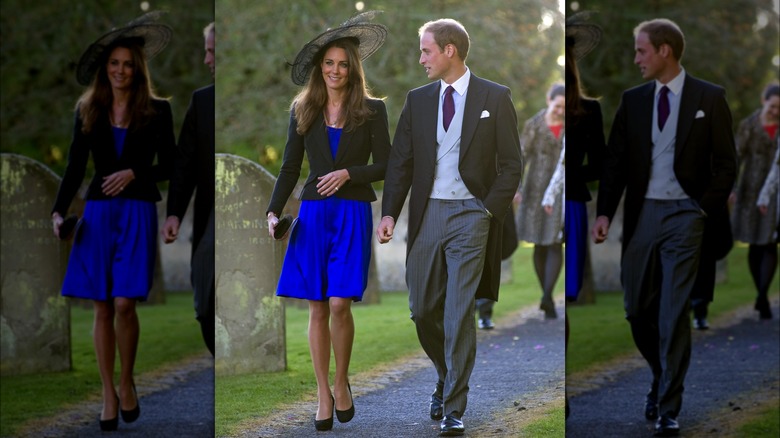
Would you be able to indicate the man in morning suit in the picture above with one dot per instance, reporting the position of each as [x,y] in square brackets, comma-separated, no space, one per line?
[194,168]
[457,147]
[671,148]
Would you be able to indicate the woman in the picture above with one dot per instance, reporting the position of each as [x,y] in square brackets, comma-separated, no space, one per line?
[585,153]
[756,145]
[123,125]
[339,125]
[541,148]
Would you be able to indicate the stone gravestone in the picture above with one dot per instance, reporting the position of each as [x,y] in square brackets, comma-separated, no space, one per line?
[250,324]
[34,317]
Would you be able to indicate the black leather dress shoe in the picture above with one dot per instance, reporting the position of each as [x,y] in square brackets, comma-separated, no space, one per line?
[700,324]
[437,403]
[451,425]
[485,324]
[666,426]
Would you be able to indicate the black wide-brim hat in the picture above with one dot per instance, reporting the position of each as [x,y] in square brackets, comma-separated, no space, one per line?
[369,36]
[581,36]
[154,37]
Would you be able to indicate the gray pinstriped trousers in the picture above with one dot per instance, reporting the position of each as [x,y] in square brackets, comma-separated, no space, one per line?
[442,272]
[658,273]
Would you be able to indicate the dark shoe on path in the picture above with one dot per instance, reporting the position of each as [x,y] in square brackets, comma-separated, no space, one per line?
[326,424]
[345,416]
[437,402]
[764,310]
[651,408]
[451,425]
[132,414]
[111,424]
[666,426]
[700,324]
[485,324]
[548,305]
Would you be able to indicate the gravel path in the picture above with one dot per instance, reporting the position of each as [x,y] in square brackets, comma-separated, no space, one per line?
[519,374]
[177,402]
[735,371]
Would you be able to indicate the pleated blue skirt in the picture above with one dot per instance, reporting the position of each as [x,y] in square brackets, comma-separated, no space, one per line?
[329,251]
[576,226]
[114,251]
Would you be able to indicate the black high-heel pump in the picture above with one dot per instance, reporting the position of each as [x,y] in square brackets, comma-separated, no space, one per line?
[345,416]
[112,424]
[132,414]
[326,424]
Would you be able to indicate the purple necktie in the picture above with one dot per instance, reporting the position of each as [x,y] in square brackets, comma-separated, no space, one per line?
[663,107]
[448,107]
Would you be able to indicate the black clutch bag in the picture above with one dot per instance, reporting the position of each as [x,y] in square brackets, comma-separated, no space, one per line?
[286,223]
[68,227]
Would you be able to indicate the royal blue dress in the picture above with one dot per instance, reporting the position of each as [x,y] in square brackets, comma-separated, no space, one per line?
[330,247]
[114,247]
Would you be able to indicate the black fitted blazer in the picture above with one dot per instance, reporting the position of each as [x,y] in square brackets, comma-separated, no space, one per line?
[141,146]
[371,139]
[584,139]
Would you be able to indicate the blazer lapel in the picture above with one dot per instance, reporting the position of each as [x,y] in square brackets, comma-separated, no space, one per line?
[429,114]
[691,96]
[646,122]
[476,96]
[320,144]
[346,138]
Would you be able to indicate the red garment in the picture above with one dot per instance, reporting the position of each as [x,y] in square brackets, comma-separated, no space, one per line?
[556,130]
[771,130]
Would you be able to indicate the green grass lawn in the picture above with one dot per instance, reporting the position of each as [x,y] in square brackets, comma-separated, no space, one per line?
[383,333]
[169,333]
[599,332]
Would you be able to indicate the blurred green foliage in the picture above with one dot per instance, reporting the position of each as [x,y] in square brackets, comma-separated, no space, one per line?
[256,40]
[41,45]
[728,42]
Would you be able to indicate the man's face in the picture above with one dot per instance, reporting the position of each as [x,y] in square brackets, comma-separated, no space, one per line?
[435,61]
[209,59]
[651,63]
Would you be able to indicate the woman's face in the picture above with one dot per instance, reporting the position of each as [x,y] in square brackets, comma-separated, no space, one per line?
[335,68]
[771,109]
[556,107]
[120,68]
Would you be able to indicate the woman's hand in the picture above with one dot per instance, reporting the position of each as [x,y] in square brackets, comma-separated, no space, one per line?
[272,221]
[329,184]
[116,182]
[56,222]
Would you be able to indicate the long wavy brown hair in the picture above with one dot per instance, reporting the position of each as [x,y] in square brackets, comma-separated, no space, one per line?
[311,101]
[97,99]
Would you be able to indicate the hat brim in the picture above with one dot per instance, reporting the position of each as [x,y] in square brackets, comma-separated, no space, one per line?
[582,38]
[155,37]
[370,37]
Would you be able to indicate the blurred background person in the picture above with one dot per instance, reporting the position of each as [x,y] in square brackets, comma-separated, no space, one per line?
[541,144]
[756,146]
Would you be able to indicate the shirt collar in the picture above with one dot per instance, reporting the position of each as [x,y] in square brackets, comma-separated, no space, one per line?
[675,85]
[461,85]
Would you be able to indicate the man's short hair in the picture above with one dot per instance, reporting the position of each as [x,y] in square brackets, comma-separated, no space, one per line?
[209,29]
[663,31]
[448,31]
